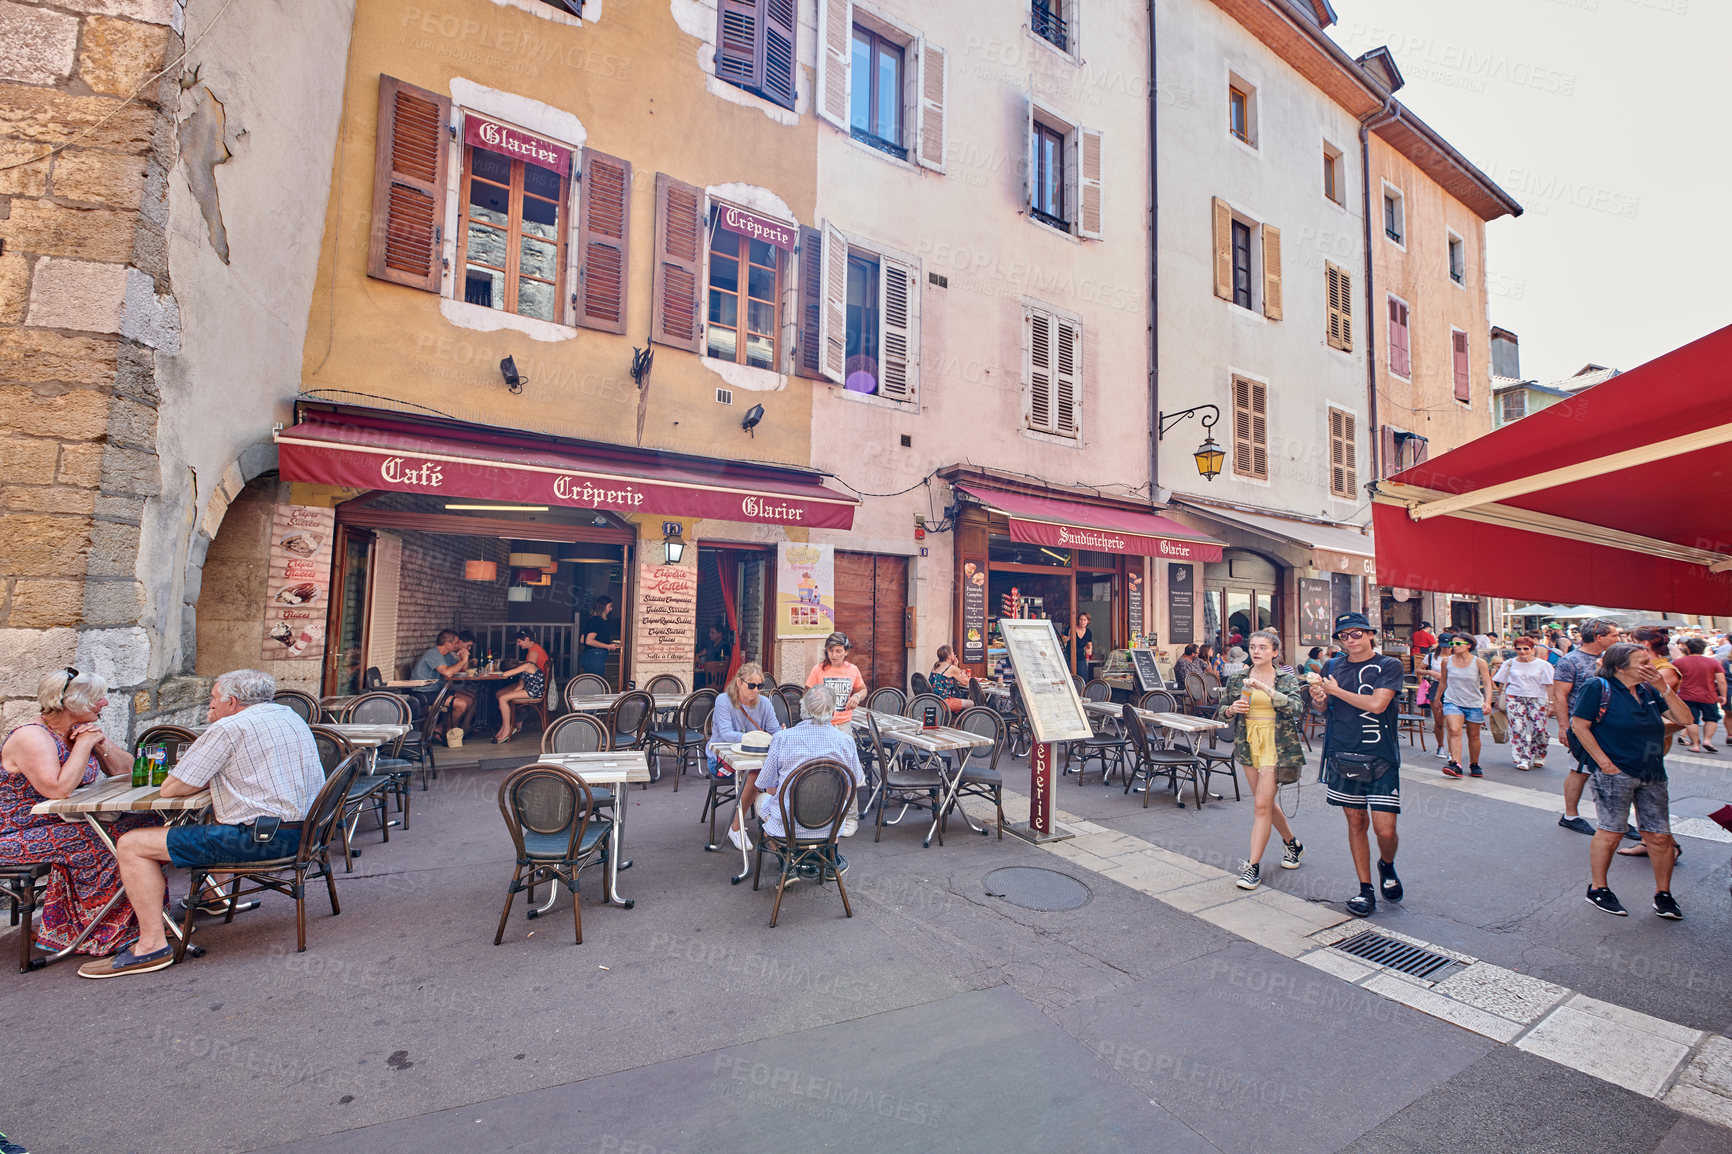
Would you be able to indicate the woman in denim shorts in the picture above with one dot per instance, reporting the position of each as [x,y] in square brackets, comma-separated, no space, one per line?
[1464,689]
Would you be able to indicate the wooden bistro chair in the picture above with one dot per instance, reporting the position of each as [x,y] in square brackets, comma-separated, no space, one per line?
[814,800]
[304,704]
[629,724]
[688,734]
[984,780]
[551,814]
[539,705]
[584,685]
[287,875]
[18,886]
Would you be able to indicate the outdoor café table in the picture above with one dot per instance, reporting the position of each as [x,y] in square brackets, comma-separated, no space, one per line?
[614,769]
[935,742]
[113,798]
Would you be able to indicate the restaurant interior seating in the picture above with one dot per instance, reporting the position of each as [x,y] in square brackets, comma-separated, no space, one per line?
[551,815]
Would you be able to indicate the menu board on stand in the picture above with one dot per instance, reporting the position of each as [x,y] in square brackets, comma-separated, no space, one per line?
[1055,712]
[1181,604]
[1134,605]
[1148,673]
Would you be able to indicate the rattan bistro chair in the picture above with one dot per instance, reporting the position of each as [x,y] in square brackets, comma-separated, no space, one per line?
[984,780]
[1097,690]
[688,734]
[1149,761]
[18,885]
[886,699]
[579,733]
[387,709]
[785,715]
[814,800]
[665,685]
[304,704]
[920,702]
[585,685]
[629,723]
[1158,701]
[364,790]
[551,813]
[288,875]
[915,786]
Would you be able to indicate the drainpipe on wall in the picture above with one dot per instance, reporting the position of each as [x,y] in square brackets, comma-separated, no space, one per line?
[1365,126]
[1154,281]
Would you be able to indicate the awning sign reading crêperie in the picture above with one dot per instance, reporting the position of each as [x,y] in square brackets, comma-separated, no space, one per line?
[517,144]
[755,227]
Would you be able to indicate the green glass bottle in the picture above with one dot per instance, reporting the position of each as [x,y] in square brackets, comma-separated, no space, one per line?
[158,765]
[140,772]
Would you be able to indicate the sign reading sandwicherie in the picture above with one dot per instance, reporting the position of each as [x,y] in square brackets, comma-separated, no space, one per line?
[1054,710]
[1111,541]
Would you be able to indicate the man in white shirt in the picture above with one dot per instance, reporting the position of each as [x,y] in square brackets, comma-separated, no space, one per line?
[260,762]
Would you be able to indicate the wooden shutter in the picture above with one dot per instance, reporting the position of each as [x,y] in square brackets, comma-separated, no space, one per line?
[835,51]
[934,85]
[1037,368]
[1223,250]
[1343,453]
[1400,359]
[1028,147]
[1089,175]
[1251,429]
[899,330]
[833,315]
[1066,378]
[675,319]
[777,51]
[387,580]
[1463,383]
[737,43]
[1340,290]
[409,174]
[809,362]
[1271,272]
[1388,446]
[603,241]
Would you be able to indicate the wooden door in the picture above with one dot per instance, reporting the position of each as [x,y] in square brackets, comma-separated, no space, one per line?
[872,609]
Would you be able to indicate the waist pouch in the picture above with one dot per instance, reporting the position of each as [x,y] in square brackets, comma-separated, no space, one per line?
[1358,766]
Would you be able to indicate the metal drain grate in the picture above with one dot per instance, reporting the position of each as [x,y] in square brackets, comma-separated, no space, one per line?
[1395,954]
[1033,888]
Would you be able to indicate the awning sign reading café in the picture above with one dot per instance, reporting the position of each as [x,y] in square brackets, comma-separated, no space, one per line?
[517,144]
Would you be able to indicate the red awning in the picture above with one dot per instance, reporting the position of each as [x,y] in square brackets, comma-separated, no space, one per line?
[1074,525]
[1619,495]
[405,455]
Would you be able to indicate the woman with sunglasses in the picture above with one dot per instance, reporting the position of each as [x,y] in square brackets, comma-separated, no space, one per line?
[1465,684]
[46,760]
[1527,690]
[739,711]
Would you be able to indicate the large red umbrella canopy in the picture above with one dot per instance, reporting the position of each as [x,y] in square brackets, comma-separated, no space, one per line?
[1618,495]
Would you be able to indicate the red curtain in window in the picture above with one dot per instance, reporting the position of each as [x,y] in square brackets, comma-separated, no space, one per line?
[727,572]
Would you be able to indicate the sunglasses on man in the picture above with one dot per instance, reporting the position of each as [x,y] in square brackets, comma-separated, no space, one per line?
[1354,634]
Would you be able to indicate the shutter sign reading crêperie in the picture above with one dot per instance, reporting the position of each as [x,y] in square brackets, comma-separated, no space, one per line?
[603,242]
[410,170]
[675,319]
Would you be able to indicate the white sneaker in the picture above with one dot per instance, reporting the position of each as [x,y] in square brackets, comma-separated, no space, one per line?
[849,825]
[740,838]
[1523,765]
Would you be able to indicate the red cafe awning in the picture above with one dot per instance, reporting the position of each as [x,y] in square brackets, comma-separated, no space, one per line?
[1619,495]
[365,451]
[1074,525]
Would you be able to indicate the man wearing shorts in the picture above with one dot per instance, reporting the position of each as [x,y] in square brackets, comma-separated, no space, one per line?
[1361,758]
[1703,687]
[1573,671]
[260,761]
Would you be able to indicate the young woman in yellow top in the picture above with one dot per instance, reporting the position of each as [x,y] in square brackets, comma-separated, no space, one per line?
[1269,703]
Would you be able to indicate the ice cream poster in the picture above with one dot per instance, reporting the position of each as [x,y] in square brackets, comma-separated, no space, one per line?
[805,590]
[297,591]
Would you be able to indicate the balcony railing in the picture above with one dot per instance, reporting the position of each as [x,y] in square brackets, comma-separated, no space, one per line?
[1048,25]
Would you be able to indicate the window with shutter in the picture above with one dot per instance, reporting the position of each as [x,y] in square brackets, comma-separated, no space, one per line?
[744,323]
[1037,354]
[1066,378]
[1250,429]
[1343,454]
[1515,405]
[809,362]
[755,47]
[1400,357]
[679,249]
[1223,234]
[604,243]
[1049,180]
[1271,272]
[1463,383]
[511,239]
[835,32]
[833,316]
[1241,264]
[412,155]
[934,85]
[1338,284]
[1090,175]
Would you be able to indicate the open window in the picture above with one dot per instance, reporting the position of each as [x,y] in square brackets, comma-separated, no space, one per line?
[883,84]
[1247,261]
[1394,215]
[859,315]
[1241,109]
[1065,174]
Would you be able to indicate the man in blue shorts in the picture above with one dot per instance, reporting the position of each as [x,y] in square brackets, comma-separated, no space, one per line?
[260,762]
[1361,758]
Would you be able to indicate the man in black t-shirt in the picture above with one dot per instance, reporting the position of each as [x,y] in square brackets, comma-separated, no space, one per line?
[1361,758]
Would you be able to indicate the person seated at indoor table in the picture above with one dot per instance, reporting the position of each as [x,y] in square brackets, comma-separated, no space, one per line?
[45,760]
[815,737]
[714,657]
[260,763]
[739,711]
[530,684]
[447,657]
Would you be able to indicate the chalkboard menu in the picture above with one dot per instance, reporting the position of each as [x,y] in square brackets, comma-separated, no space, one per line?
[1134,603]
[1181,604]
[974,611]
[1045,680]
[1148,673]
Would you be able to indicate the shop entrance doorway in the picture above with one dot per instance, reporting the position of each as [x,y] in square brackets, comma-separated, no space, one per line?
[872,609]
[1241,595]
[735,605]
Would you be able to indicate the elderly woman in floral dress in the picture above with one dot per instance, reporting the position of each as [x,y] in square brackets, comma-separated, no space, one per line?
[46,760]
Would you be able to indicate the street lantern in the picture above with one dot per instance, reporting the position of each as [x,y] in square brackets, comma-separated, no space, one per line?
[672,542]
[1209,457]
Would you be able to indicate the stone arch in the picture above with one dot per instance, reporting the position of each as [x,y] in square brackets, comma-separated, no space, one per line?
[255,462]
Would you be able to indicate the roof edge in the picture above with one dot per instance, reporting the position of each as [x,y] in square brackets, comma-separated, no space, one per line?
[1452,157]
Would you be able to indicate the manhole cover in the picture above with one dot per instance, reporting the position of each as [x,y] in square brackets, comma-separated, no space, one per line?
[1033,888]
